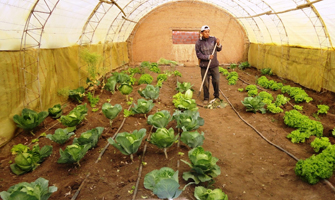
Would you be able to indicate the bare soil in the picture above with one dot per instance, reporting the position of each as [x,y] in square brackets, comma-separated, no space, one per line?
[251,168]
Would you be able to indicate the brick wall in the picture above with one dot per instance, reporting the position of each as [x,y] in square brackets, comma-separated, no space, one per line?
[185,37]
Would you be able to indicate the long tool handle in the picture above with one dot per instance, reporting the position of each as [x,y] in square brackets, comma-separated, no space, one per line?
[209,63]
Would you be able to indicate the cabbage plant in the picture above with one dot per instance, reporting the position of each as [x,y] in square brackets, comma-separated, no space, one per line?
[189,120]
[128,143]
[61,135]
[203,166]
[90,137]
[201,193]
[143,106]
[29,119]
[111,84]
[125,89]
[149,92]
[75,116]
[37,190]
[56,111]
[111,112]
[29,160]
[163,138]
[73,153]
[163,183]
[160,119]
[192,139]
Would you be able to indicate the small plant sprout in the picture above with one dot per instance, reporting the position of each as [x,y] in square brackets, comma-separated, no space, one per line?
[130,101]
[181,153]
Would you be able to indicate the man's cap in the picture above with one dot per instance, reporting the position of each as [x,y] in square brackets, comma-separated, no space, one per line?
[205,27]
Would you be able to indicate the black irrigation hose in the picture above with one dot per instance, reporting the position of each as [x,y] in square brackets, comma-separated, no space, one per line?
[141,165]
[280,148]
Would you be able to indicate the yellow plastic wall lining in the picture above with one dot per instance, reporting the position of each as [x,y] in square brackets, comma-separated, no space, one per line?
[58,70]
[312,68]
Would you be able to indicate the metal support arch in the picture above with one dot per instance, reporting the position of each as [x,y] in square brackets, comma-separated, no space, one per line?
[33,31]
[91,25]
[114,29]
[284,39]
[253,24]
[220,6]
[322,33]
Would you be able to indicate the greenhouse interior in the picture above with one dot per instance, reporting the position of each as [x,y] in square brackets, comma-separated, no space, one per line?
[167,99]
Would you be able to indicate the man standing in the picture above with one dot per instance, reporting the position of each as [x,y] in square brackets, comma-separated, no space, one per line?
[204,48]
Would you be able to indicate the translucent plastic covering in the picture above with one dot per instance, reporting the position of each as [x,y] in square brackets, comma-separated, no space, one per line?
[62,23]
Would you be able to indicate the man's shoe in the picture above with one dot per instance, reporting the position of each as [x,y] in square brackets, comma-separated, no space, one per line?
[205,102]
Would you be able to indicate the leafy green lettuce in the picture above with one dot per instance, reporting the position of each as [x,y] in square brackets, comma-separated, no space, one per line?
[145,79]
[201,193]
[183,87]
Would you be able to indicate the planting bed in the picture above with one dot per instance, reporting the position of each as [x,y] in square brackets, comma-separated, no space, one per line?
[251,168]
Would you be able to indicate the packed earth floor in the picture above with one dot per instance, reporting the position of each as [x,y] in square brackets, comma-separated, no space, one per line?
[251,168]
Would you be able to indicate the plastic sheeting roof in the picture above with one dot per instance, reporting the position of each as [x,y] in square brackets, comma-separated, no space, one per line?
[61,23]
